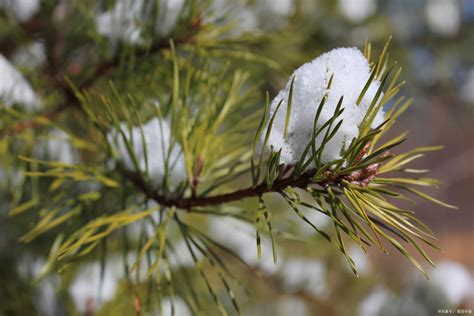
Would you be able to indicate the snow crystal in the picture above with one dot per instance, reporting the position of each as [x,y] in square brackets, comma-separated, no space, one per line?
[443,16]
[157,141]
[125,20]
[14,88]
[357,10]
[22,9]
[351,72]
[454,280]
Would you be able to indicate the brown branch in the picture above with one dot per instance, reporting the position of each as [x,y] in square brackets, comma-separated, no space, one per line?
[302,181]
[360,177]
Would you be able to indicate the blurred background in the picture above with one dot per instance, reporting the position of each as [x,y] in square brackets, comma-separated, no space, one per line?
[433,40]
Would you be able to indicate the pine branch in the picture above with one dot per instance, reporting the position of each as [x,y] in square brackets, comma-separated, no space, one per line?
[302,182]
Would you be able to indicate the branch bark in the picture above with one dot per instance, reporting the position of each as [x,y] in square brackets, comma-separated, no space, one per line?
[302,181]
[360,177]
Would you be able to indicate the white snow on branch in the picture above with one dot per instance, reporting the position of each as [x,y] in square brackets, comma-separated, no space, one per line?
[351,72]
[22,9]
[161,151]
[357,10]
[14,89]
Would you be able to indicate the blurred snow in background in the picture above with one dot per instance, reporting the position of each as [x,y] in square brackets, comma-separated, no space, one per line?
[22,9]
[14,89]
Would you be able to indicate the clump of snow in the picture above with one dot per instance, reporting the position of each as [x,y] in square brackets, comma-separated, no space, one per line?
[125,20]
[157,141]
[351,72]
[443,16]
[30,56]
[454,280]
[357,10]
[22,9]
[14,89]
